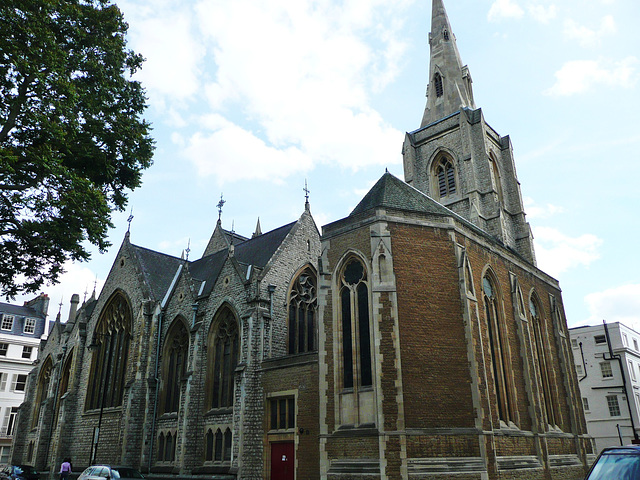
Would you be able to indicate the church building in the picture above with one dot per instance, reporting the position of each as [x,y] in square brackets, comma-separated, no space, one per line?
[414,338]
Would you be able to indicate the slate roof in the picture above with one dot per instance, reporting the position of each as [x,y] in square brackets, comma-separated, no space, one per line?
[259,250]
[391,192]
[19,310]
[157,268]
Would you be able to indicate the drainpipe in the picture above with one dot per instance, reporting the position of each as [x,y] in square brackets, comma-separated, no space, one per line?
[584,364]
[624,378]
[271,289]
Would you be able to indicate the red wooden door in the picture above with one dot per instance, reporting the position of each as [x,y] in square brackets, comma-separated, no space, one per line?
[282,461]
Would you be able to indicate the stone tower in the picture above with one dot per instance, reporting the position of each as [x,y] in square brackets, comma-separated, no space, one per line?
[456,158]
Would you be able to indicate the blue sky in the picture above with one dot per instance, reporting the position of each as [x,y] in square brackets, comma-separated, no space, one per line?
[249,98]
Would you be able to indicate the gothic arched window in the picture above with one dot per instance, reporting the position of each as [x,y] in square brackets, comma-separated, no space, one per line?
[496,181]
[356,340]
[437,83]
[44,380]
[110,345]
[222,354]
[538,325]
[174,366]
[498,350]
[303,302]
[64,385]
[445,176]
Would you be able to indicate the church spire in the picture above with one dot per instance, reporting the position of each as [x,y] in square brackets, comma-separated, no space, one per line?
[449,87]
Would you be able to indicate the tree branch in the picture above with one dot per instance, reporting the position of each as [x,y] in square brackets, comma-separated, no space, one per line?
[15,108]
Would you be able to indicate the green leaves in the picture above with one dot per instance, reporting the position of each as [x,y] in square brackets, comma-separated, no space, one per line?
[72,138]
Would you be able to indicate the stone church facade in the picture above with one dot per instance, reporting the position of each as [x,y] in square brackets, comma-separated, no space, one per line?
[414,338]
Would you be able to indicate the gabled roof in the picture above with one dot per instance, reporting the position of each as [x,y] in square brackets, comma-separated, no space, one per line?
[391,192]
[256,251]
[158,269]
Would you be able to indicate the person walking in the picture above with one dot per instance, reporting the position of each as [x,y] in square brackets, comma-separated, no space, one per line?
[65,469]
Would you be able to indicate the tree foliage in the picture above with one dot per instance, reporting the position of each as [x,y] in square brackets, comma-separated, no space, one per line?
[72,139]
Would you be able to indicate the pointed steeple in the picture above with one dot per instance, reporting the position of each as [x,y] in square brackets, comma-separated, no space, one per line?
[449,87]
[258,231]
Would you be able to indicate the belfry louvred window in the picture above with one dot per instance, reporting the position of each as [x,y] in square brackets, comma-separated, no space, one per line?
[437,83]
[303,303]
[446,176]
[222,356]
[110,351]
[174,366]
[356,341]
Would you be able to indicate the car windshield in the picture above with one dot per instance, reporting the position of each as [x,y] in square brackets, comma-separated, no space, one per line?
[125,473]
[619,464]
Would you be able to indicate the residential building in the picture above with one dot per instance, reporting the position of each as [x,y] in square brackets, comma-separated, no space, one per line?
[607,362]
[21,328]
[413,338]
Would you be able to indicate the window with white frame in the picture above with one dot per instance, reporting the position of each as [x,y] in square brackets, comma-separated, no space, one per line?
[635,344]
[9,421]
[7,322]
[632,370]
[585,404]
[4,347]
[600,339]
[29,325]
[27,351]
[5,451]
[614,406]
[574,343]
[3,381]
[19,383]
[579,370]
[605,368]
[625,340]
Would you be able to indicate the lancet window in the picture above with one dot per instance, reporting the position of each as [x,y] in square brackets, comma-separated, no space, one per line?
[437,83]
[498,350]
[218,446]
[174,358]
[303,303]
[540,340]
[65,383]
[222,357]
[110,346]
[356,341]
[44,380]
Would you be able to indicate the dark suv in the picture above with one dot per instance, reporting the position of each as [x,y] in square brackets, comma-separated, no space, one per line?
[616,463]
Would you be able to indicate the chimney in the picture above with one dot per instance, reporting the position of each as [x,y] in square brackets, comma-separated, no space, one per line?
[75,299]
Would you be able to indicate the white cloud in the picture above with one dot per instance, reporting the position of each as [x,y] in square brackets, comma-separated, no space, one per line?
[557,252]
[165,36]
[505,9]
[579,76]
[542,14]
[534,210]
[589,37]
[617,304]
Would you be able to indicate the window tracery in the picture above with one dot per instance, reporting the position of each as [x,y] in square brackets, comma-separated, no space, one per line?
[223,358]
[111,340]
[175,355]
[303,303]
[356,341]
[44,380]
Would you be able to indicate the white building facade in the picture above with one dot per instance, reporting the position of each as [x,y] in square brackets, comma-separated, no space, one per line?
[21,329]
[607,361]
